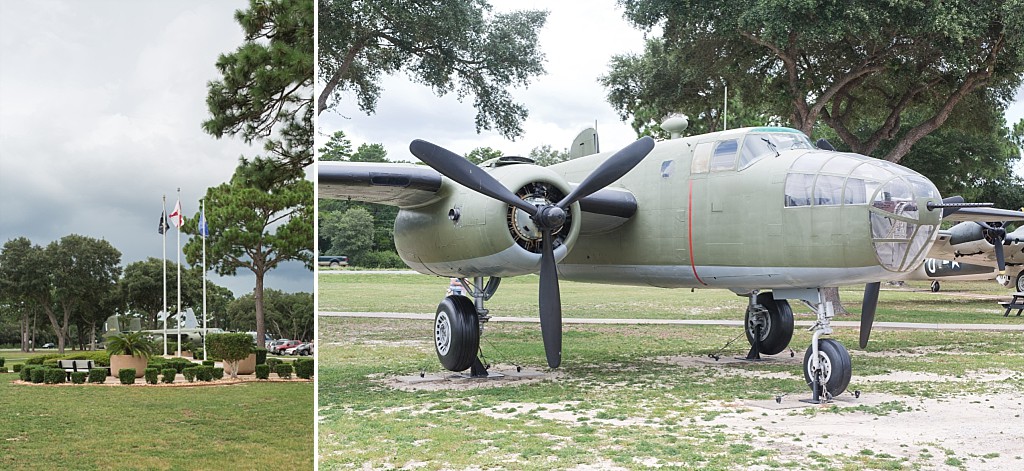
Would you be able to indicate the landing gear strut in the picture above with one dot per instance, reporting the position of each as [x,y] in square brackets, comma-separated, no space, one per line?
[458,324]
[827,366]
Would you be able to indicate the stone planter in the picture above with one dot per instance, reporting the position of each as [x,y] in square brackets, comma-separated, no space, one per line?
[120,362]
[248,365]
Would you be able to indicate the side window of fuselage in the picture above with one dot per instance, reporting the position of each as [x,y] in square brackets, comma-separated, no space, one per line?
[724,156]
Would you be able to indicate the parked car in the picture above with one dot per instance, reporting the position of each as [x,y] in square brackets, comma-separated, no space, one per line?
[48,345]
[332,261]
[275,345]
[305,349]
[280,348]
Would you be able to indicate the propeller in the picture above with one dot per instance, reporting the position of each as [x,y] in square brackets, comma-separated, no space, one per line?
[867,312]
[996,235]
[549,218]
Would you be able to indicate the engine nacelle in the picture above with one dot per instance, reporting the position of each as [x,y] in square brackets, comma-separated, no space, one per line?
[466,234]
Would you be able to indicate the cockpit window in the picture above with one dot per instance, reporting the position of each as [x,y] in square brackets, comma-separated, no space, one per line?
[757,146]
[724,157]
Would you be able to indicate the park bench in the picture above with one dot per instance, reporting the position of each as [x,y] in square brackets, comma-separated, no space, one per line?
[71,366]
[1016,303]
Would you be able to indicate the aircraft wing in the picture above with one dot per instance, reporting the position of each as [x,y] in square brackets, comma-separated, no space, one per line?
[408,185]
[985,215]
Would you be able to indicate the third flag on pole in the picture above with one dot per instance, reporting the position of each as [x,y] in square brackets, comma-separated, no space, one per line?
[163,223]
[176,216]
[204,230]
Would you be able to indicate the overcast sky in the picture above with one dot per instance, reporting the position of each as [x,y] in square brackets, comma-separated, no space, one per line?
[579,39]
[100,110]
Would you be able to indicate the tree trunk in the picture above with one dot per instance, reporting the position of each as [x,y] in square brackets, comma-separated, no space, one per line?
[26,330]
[832,296]
[92,336]
[257,294]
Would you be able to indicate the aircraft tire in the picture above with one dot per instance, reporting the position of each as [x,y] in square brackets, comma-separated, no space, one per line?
[936,287]
[456,333]
[780,325]
[1020,282]
[836,363]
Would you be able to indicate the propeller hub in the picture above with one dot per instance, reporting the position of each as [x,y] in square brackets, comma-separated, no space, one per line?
[550,217]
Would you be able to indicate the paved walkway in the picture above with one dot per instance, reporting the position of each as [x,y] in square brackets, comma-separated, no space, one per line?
[738,323]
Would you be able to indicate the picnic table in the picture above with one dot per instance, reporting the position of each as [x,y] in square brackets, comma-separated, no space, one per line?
[1016,303]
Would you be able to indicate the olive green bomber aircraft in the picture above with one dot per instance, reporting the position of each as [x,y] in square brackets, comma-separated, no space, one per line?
[759,211]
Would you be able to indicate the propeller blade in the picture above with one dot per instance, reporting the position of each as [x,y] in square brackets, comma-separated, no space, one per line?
[463,172]
[612,169]
[1000,257]
[867,312]
[550,304]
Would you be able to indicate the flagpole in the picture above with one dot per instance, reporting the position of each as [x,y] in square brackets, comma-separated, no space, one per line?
[163,223]
[205,231]
[178,313]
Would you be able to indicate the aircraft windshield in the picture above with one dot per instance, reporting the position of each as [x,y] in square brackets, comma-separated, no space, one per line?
[757,146]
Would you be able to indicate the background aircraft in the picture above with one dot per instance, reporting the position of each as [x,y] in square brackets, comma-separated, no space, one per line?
[976,251]
[676,214]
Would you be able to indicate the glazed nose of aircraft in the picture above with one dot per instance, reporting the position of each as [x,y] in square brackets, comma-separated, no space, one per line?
[896,198]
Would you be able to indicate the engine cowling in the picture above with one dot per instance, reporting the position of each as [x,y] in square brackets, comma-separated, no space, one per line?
[465,234]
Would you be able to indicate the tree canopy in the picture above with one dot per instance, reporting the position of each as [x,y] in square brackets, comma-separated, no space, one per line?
[879,74]
[456,45]
[255,223]
[266,89]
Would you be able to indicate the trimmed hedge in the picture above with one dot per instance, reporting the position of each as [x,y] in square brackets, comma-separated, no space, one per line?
[26,372]
[304,368]
[273,362]
[209,362]
[126,375]
[151,375]
[205,373]
[262,371]
[2,360]
[190,373]
[78,377]
[3,369]
[261,356]
[218,374]
[97,375]
[18,367]
[169,374]
[38,374]
[54,376]
[284,370]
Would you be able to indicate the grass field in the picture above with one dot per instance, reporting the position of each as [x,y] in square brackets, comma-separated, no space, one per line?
[963,302]
[637,397]
[245,426]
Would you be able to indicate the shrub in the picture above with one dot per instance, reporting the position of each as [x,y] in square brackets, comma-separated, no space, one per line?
[381,259]
[78,377]
[231,348]
[262,371]
[126,375]
[132,343]
[284,370]
[2,361]
[169,374]
[54,376]
[179,364]
[209,363]
[151,375]
[26,372]
[97,375]
[273,362]
[261,356]
[190,373]
[18,367]
[38,374]
[304,368]
[218,374]
[197,353]
[3,369]
[205,373]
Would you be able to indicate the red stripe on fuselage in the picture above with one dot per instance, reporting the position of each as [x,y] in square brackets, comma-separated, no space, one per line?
[689,232]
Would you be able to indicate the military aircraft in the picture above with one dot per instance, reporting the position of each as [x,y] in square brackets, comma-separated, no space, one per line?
[976,251]
[760,211]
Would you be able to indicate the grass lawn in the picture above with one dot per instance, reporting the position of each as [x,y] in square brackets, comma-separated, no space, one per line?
[247,426]
[958,302]
[617,403]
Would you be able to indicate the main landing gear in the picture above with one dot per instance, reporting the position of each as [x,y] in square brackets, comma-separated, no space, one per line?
[769,328]
[458,324]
